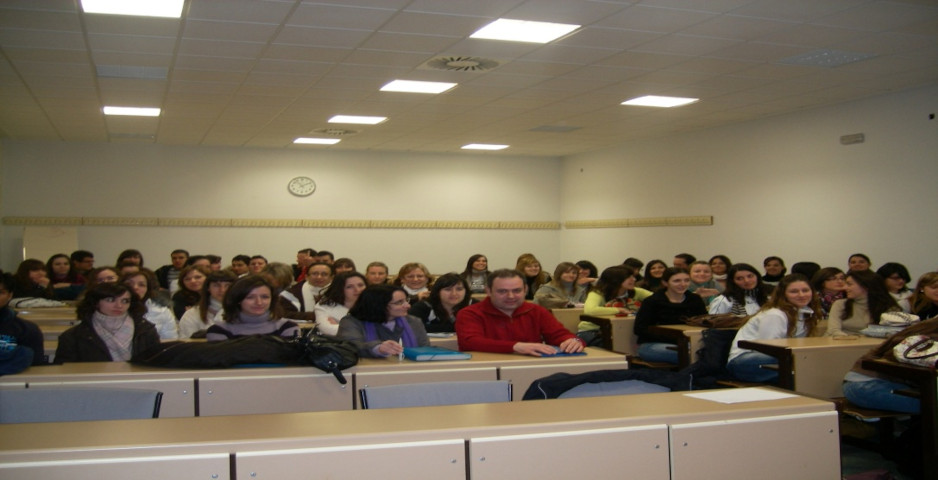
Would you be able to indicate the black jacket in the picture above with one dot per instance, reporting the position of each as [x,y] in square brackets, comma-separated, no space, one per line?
[82,344]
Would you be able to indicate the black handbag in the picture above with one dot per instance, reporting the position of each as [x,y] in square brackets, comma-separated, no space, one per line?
[328,354]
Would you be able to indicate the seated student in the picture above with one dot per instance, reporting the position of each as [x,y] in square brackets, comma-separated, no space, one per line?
[325,256]
[111,328]
[505,323]
[924,300]
[126,267]
[15,330]
[257,264]
[304,257]
[197,319]
[214,262]
[719,266]
[378,323]
[190,289]
[617,284]
[318,277]
[280,276]
[534,275]
[477,268]
[564,289]
[130,256]
[31,280]
[702,282]
[450,293]
[239,265]
[745,293]
[415,278]
[654,270]
[101,275]
[251,308]
[808,269]
[336,301]
[589,273]
[683,260]
[867,299]
[168,275]
[668,306]
[67,284]
[775,269]
[829,283]
[897,280]
[376,273]
[82,262]
[792,312]
[144,285]
[343,265]
[857,262]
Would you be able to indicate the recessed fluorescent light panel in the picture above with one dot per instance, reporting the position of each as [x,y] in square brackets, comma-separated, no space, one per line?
[523,31]
[132,111]
[483,146]
[413,86]
[657,101]
[317,141]
[142,8]
[357,119]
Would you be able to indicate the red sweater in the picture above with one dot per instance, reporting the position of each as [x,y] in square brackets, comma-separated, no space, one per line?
[483,328]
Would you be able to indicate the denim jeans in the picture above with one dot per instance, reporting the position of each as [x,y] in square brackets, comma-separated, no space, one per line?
[747,367]
[877,394]
[658,352]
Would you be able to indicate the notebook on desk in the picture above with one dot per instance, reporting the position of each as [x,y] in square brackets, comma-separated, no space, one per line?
[558,353]
[427,354]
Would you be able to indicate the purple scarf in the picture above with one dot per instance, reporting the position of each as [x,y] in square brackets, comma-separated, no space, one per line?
[407,335]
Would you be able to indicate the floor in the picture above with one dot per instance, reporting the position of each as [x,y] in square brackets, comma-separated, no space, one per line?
[855,460]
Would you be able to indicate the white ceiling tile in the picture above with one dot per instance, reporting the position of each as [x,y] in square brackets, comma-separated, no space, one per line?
[39,19]
[132,44]
[261,11]
[679,44]
[51,39]
[339,16]
[576,12]
[654,19]
[220,48]
[131,25]
[434,24]
[238,31]
[321,37]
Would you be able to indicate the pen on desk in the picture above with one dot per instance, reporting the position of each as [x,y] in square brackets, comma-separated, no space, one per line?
[400,356]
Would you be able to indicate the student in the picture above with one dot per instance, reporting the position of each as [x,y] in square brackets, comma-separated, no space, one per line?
[774,270]
[654,270]
[534,275]
[13,329]
[257,264]
[376,273]
[31,280]
[82,262]
[858,262]
[66,283]
[214,262]
[564,290]
[897,280]
[378,323]
[415,278]
[251,308]
[239,265]
[280,276]
[190,289]
[745,293]
[325,256]
[793,312]
[450,293]
[867,299]
[168,275]
[197,319]
[318,277]
[101,275]
[683,260]
[112,328]
[830,284]
[337,300]
[702,282]
[720,266]
[343,265]
[130,256]
[613,294]
[304,257]
[144,285]
[477,269]
[924,300]
[668,306]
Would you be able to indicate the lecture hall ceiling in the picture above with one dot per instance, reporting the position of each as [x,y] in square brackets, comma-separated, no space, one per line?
[259,73]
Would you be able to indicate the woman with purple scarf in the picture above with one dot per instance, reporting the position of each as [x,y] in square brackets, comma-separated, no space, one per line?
[378,323]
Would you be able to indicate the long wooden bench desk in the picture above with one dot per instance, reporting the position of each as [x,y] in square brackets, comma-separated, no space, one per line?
[617,332]
[235,391]
[813,365]
[654,436]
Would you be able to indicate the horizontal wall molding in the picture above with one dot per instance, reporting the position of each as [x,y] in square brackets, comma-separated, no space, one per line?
[278,223]
[641,222]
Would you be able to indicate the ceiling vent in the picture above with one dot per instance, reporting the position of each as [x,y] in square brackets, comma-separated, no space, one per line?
[460,64]
[334,132]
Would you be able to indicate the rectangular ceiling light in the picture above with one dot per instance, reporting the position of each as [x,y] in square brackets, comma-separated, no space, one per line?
[523,31]
[483,146]
[132,111]
[657,101]
[357,119]
[414,86]
[142,8]
[317,141]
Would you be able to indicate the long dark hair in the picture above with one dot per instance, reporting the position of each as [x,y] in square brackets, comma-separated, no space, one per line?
[241,289]
[335,292]
[89,303]
[737,294]
[446,281]
[469,271]
[220,276]
[372,305]
[877,296]
[72,275]
[611,280]
[649,282]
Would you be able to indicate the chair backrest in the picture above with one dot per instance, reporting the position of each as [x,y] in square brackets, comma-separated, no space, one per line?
[77,404]
[569,317]
[435,393]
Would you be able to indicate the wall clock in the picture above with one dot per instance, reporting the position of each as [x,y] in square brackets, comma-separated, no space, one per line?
[302,186]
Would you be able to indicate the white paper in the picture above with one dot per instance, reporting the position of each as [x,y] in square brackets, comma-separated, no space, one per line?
[741,395]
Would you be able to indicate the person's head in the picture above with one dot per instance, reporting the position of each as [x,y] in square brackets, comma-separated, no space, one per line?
[896,276]
[325,256]
[131,256]
[743,279]
[345,289]
[926,292]
[112,299]
[451,292]
[319,274]
[675,280]
[477,263]
[414,276]
[102,275]
[506,289]
[343,265]
[82,261]
[565,274]
[683,260]
[215,287]
[860,284]
[239,264]
[700,272]
[59,266]
[214,262]
[634,263]
[192,278]
[655,269]
[6,288]
[720,264]
[256,264]
[305,256]
[615,281]
[529,265]
[587,269]
[251,295]
[376,273]
[142,283]
[793,293]
[178,258]
[829,280]
[808,269]
[200,260]
[380,303]
[280,275]
[126,267]
[774,266]
[31,271]
[858,261]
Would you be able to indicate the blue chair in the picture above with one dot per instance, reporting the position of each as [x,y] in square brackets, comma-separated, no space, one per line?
[435,393]
[77,404]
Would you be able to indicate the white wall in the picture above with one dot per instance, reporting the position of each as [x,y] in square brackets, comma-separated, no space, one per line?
[780,186]
[131,180]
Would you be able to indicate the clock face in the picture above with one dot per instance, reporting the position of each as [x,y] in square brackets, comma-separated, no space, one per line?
[302,186]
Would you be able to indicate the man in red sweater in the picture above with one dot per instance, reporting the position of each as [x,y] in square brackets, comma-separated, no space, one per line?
[505,323]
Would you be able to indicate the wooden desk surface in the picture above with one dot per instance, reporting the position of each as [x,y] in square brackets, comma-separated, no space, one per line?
[812,342]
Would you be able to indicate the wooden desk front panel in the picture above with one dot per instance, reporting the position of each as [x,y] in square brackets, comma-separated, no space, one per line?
[178,394]
[207,467]
[431,460]
[278,393]
[780,447]
[614,453]
[522,376]
[820,371]
[623,335]
[569,317]
[380,379]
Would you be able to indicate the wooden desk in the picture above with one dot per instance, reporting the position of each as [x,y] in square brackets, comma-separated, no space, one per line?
[687,338]
[653,436]
[449,342]
[569,317]
[926,380]
[813,365]
[617,332]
